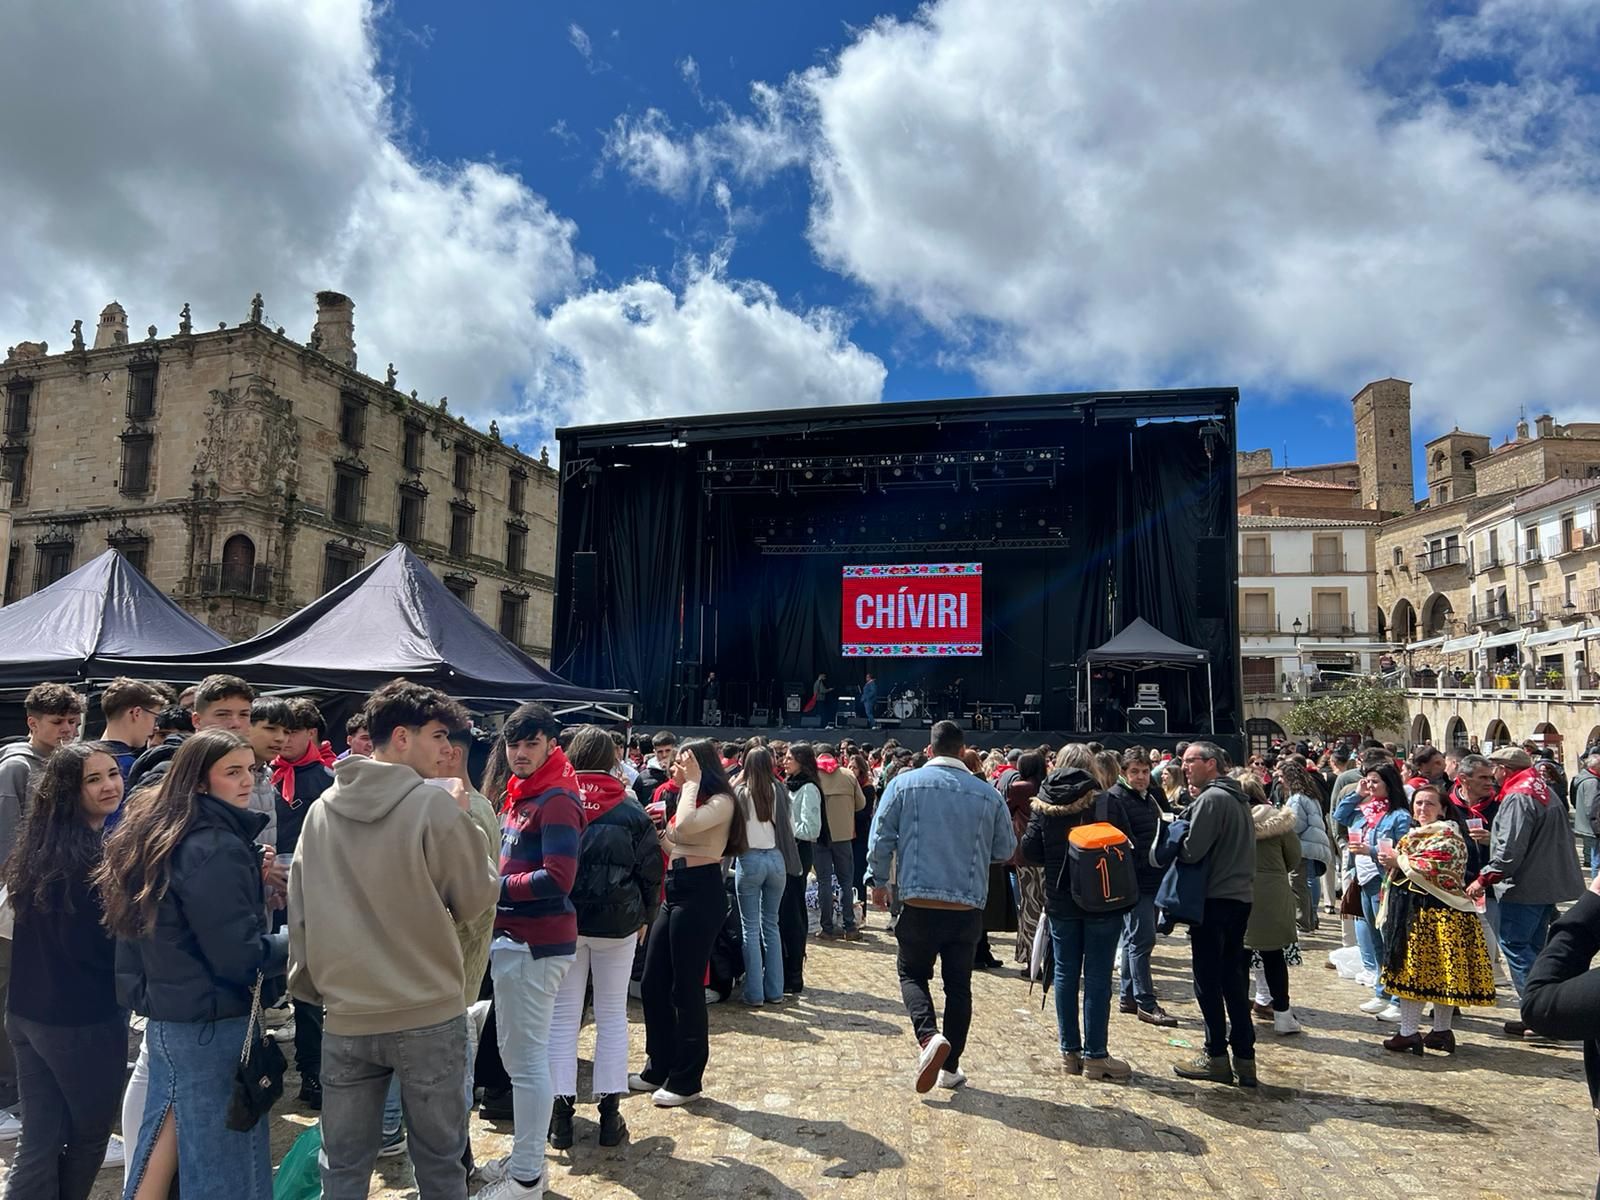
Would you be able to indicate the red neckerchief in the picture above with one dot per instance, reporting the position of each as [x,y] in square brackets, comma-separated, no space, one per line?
[1529,782]
[283,769]
[600,793]
[1375,810]
[556,772]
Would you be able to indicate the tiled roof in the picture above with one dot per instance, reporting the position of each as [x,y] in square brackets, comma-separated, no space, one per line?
[1331,521]
[1285,479]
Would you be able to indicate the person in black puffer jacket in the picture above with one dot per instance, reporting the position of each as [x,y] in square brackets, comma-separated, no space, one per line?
[1084,943]
[1144,806]
[181,883]
[616,893]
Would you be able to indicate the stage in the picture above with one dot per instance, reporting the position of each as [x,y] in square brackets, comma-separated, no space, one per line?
[966,553]
[917,738]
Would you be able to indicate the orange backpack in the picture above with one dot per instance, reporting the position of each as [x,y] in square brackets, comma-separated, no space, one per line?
[1099,864]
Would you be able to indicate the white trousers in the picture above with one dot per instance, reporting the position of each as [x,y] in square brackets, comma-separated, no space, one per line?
[610,961]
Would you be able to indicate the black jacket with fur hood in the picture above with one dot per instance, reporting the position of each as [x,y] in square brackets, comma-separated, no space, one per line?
[1067,798]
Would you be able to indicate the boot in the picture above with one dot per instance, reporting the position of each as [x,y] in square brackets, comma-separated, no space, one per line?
[613,1129]
[561,1123]
[1205,1067]
[1245,1069]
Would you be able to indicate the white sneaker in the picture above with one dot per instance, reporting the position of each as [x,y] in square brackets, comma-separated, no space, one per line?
[116,1154]
[930,1060]
[492,1171]
[10,1125]
[638,1083]
[1391,1014]
[1375,1006]
[662,1098]
[510,1189]
[1285,1023]
[952,1079]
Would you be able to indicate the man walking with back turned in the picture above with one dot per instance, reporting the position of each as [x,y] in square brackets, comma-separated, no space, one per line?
[923,836]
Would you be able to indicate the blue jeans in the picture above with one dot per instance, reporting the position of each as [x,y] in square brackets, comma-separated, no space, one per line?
[1138,940]
[1368,936]
[1523,928]
[1084,948]
[191,1074]
[758,879]
[356,1073]
[525,991]
[836,860]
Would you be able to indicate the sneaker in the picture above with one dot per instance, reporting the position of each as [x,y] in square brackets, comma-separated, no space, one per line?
[830,935]
[10,1125]
[393,1143]
[662,1098]
[1284,1023]
[1206,1068]
[1245,1069]
[638,1083]
[116,1154]
[952,1079]
[852,935]
[510,1189]
[492,1171]
[1157,1016]
[1113,1069]
[1391,1014]
[931,1060]
[1261,1012]
[1374,1006]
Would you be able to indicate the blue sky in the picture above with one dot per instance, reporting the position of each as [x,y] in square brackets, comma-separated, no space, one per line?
[559,214]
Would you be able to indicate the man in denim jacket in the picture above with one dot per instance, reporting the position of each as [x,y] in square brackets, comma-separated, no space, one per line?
[935,833]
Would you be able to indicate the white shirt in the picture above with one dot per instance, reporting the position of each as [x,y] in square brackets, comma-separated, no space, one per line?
[759,835]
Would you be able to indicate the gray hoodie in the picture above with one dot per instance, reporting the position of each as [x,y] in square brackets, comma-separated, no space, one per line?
[1222,833]
[20,765]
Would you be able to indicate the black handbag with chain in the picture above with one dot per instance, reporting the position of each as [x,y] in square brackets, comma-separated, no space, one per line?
[258,1079]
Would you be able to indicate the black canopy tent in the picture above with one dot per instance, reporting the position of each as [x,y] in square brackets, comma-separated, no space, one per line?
[80,627]
[1141,646]
[393,618]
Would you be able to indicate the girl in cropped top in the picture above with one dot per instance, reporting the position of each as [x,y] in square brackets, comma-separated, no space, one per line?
[707,827]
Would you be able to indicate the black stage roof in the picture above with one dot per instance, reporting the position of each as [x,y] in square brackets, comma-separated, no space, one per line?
[1160,404]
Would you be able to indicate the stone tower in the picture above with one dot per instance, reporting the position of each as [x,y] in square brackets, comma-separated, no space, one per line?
[113,327]
[1383,445]
[1451,462]
[335,333]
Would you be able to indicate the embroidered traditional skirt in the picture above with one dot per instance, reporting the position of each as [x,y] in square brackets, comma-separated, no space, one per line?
[1435,953]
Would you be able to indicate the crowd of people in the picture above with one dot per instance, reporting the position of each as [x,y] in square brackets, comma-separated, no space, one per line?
[439,906]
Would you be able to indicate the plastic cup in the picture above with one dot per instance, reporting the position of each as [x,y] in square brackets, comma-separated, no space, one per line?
[1475,824]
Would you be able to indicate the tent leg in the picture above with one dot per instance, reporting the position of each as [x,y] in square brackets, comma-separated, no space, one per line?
[1211,703]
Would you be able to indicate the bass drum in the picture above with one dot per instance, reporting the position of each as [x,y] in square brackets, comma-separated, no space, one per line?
[906,707]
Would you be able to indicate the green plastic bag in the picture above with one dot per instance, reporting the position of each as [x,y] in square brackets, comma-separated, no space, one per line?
[299,1177]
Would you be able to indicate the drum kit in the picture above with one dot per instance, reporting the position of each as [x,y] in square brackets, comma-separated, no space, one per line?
[907,706]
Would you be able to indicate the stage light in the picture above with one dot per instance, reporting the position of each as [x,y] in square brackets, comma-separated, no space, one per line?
[897,472]
[1028,467]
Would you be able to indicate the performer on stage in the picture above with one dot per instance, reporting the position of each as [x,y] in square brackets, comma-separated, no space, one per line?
[823,700]
[868,700]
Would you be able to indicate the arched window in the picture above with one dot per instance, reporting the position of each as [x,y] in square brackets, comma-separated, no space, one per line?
[238,564]
[1466,460]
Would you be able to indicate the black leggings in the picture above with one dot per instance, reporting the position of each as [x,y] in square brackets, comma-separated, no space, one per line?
[676,1040]
[794,923]
[1276,969]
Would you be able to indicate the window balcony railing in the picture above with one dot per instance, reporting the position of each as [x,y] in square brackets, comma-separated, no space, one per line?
[1255,564]
[1331,624]
[1328,564]
[1440,557]
[1259,623]
[1488,614]
[236,579]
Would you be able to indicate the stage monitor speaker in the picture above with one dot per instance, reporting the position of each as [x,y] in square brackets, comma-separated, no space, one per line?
[857,721]
[1215,596]
[1147,720]
[1008,723]
[759,716]
[585,581]
[810,721]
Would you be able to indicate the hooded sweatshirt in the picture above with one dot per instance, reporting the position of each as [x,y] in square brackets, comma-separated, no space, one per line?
[842,799]
[20,765]
[1222,833]
[541,824]
[388,863]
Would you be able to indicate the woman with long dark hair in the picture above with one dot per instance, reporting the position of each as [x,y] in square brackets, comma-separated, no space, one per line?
[69,1034]
[1375,811]
[615,894]
[706,827]
[181,883]
[759,877]
[804,785]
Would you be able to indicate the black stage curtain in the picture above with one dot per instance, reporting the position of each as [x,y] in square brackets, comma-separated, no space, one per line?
[683,576]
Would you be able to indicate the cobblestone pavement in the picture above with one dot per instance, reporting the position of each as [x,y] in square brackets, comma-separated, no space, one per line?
[814,1099]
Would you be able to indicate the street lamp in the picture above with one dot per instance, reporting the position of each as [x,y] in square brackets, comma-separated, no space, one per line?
[1297,628]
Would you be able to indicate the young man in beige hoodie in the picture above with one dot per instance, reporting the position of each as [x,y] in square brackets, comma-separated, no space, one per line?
[388,863]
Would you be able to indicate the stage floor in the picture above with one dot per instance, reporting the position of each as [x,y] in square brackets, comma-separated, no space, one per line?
[917,736]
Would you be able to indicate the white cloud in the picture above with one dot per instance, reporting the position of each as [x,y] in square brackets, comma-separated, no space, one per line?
[580,42]
[252,146]
[1239,203]
[643,350]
